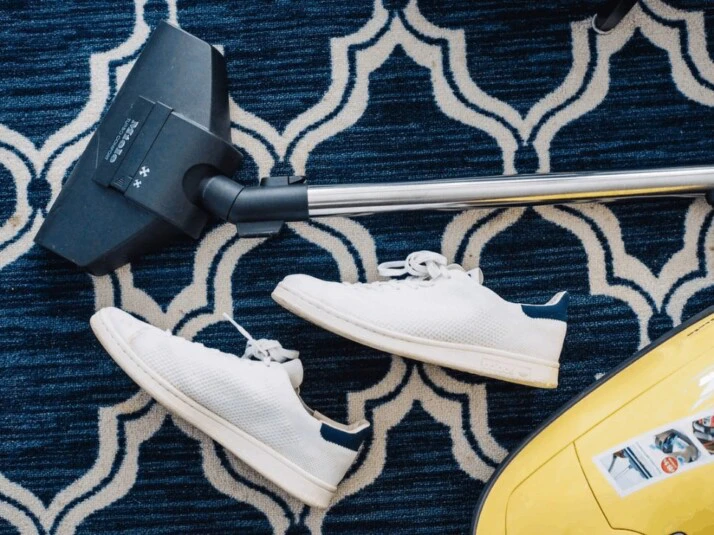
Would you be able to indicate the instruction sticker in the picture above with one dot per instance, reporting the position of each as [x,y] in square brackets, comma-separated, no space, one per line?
[659,454]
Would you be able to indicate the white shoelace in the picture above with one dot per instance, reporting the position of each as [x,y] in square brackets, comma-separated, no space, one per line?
[263,349]
[423,265]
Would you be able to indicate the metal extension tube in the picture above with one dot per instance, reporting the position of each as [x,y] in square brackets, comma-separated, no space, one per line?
[459,194]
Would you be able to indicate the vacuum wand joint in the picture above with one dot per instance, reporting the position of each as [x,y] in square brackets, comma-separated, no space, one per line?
[257,211]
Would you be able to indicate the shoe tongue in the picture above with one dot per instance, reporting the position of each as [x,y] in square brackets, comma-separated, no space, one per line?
[295,372]
[476,274]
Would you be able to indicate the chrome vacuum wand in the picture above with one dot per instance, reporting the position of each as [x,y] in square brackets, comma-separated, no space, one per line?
[262,210]
[460,194]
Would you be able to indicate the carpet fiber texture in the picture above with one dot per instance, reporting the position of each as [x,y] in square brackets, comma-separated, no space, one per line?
[344,92]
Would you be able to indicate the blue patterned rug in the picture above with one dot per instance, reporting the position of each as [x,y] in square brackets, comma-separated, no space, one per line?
[345,92]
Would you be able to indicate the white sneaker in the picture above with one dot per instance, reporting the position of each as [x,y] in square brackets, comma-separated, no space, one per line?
[439,314]
[248,404]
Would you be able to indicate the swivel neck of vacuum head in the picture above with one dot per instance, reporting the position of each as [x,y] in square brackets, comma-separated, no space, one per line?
[256,210]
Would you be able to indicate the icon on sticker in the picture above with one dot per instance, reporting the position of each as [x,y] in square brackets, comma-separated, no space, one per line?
[626,468]
[703,430]
[677,444]
[669,465]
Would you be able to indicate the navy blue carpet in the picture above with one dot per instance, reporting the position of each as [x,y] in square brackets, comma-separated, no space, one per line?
[343,92]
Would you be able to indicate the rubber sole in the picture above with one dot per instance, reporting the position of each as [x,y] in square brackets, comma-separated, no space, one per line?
[511,367]
[259,456]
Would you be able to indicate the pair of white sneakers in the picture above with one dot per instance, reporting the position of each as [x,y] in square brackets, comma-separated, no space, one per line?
[440,313]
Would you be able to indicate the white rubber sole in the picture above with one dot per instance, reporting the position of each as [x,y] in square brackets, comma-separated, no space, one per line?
[511,367]
[262,458]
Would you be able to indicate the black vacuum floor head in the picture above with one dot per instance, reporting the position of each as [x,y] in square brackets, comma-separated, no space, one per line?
[136,184]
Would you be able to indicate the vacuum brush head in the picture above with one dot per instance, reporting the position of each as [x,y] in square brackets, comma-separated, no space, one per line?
[137,182]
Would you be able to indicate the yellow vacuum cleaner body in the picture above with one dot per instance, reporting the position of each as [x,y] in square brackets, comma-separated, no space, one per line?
[633,455]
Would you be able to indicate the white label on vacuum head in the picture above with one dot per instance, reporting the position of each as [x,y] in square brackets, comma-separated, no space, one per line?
[659,454]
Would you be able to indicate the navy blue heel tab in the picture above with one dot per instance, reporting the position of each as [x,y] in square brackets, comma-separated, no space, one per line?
[557,309]
[352,440]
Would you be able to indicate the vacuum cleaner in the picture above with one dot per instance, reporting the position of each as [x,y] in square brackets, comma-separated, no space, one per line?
[161,164]
[633,455]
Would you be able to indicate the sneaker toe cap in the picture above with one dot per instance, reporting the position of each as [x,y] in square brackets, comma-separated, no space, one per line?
[122,323]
